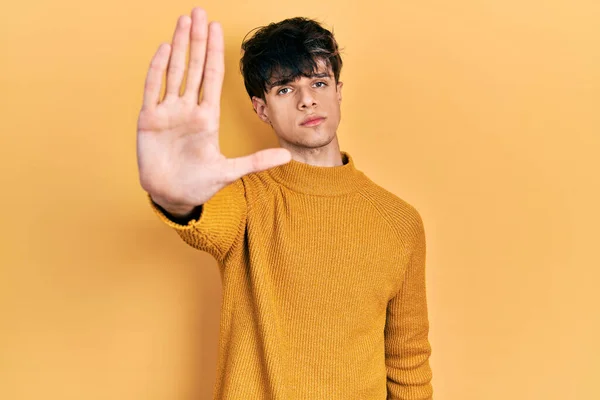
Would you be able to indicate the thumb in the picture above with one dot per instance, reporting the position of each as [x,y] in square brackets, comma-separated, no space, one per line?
[259,161]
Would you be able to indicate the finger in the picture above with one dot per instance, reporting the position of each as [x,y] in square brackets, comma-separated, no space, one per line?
[154,76]
[215,66]
[259,161]
[198,34]
[177,61]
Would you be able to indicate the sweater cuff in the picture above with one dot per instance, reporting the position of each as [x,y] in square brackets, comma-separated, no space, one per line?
[171,220]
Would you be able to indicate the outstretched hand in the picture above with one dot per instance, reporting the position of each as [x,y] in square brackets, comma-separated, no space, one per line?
[179,160]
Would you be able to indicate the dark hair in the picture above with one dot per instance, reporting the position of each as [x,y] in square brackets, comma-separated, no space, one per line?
[286,50]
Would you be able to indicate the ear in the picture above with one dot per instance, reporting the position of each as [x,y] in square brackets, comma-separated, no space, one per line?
[339,91]
[260,108]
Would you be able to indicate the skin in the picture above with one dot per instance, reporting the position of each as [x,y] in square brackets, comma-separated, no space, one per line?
[287,105]
[179,158]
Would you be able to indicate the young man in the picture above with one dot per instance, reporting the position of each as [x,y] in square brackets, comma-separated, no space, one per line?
[323,271]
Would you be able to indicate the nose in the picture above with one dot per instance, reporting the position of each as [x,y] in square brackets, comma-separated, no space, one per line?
[307,98]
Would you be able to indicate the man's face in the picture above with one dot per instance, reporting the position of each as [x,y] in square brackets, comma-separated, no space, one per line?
[288,104]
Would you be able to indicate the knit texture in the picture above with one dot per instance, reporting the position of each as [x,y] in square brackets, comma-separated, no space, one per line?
[324,296]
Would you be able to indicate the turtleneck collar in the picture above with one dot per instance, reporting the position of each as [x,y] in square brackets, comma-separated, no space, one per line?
[317,180]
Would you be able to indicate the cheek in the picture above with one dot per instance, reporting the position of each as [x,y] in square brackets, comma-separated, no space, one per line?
[284,116]
[334,108]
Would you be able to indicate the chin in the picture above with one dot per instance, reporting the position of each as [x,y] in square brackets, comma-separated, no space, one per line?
[308,138]
[316,141]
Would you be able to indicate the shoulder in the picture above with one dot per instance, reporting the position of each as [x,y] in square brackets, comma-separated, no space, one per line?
[403,217]
[256,186]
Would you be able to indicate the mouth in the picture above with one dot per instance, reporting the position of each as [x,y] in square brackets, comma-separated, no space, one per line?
[313,121]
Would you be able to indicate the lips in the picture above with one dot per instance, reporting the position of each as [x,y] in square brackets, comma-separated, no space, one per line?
[312,120]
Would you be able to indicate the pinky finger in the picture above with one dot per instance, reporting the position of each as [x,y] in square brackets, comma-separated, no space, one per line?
[154,78]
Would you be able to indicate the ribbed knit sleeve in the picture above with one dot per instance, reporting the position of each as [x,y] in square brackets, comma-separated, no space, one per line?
[221,223]
[407,348]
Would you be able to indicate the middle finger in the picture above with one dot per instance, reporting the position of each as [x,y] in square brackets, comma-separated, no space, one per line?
[199,36]
[177,60]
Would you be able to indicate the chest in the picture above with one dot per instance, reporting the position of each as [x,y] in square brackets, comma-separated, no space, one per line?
[327,253]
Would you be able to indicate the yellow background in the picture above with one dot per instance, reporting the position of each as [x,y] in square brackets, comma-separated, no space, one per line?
[482,114]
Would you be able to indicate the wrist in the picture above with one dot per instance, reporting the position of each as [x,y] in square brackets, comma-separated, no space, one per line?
[178,211]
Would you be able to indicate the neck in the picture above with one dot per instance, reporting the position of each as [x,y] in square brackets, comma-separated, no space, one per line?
[326,156]
[320,180]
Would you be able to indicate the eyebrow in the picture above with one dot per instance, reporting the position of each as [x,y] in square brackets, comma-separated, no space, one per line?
[282,82]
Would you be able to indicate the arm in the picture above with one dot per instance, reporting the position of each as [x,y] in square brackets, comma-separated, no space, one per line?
[219,223]
[179,160]
[407,348]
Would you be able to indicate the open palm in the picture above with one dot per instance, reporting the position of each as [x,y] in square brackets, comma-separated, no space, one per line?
[179,160]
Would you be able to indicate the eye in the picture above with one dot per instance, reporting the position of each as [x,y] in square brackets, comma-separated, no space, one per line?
[323,84]
[279,91]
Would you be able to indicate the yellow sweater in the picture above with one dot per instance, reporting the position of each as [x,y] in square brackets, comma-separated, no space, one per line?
[323,276]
